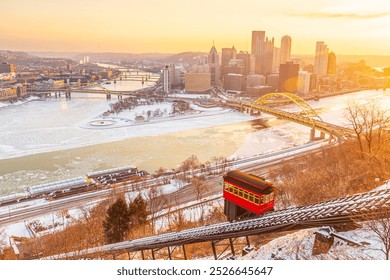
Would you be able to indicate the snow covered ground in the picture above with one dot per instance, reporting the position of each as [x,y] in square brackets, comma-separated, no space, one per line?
[298,246]
[57,126]
[163,110]
[17,103]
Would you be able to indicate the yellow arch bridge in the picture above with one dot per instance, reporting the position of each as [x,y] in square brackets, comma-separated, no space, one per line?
[307,115]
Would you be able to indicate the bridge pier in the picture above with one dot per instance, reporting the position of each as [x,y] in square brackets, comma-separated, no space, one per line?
[313,135]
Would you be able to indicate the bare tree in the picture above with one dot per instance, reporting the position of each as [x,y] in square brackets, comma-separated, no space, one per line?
[354,116]
[199,186]
[368,123]
[157,202]
[380,225]
[220,162]
[190,163]
[160,171]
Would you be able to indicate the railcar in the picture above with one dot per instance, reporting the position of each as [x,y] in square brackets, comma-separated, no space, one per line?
[47,188]
[115,175]
[12,198]
[246,195]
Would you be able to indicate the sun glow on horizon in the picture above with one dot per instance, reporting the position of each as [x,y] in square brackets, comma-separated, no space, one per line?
[347,26]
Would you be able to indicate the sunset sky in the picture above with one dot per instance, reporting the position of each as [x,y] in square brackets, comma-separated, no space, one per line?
[170,26]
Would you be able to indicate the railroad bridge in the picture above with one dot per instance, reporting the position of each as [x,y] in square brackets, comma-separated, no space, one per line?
[68,91]
[307,116]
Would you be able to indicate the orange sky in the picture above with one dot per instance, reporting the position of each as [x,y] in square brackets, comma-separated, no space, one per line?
[347,26]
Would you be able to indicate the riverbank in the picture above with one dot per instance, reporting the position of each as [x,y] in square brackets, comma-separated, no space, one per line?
[18,102]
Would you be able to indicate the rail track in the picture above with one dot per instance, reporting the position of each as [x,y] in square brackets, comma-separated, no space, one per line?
[363,206]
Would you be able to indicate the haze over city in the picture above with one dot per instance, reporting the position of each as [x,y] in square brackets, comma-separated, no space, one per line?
[349,26]
[194,130]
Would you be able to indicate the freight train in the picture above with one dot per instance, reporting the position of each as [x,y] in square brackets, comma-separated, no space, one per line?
[246,195]
[91,181]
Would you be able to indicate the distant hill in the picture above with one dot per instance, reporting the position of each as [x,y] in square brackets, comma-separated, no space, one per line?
[104,56]
[184,57]
[371,60]
[27,59]
[15,57]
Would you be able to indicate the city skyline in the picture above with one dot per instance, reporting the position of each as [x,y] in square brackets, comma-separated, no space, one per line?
[349,27]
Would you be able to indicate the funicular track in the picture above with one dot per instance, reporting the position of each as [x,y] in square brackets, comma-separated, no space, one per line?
[363,206]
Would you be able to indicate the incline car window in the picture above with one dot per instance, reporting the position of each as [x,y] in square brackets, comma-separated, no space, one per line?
[242,193]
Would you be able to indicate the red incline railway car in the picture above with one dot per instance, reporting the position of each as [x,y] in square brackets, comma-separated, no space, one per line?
[246,195]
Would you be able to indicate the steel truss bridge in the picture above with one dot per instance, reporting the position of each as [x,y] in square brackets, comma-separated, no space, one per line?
[307,117]
[85,90]
[342,211]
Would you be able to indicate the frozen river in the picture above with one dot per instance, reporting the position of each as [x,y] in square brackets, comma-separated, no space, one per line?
[43,141]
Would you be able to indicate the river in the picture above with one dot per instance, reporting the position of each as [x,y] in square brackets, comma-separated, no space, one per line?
[42,141]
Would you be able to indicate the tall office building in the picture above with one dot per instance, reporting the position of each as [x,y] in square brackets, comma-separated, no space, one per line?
[321,59]
[288,77]
[268,56]
[263,51]
[227,55]
[304,78]
[245,57]
[331,63]
[285,49]
[276,60]
[213,61]
[234,82]
[257,50]
[236,66]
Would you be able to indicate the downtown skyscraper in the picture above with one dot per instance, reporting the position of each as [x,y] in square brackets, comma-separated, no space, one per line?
[263,51]
[257,50]
[285,49]
[321,59]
